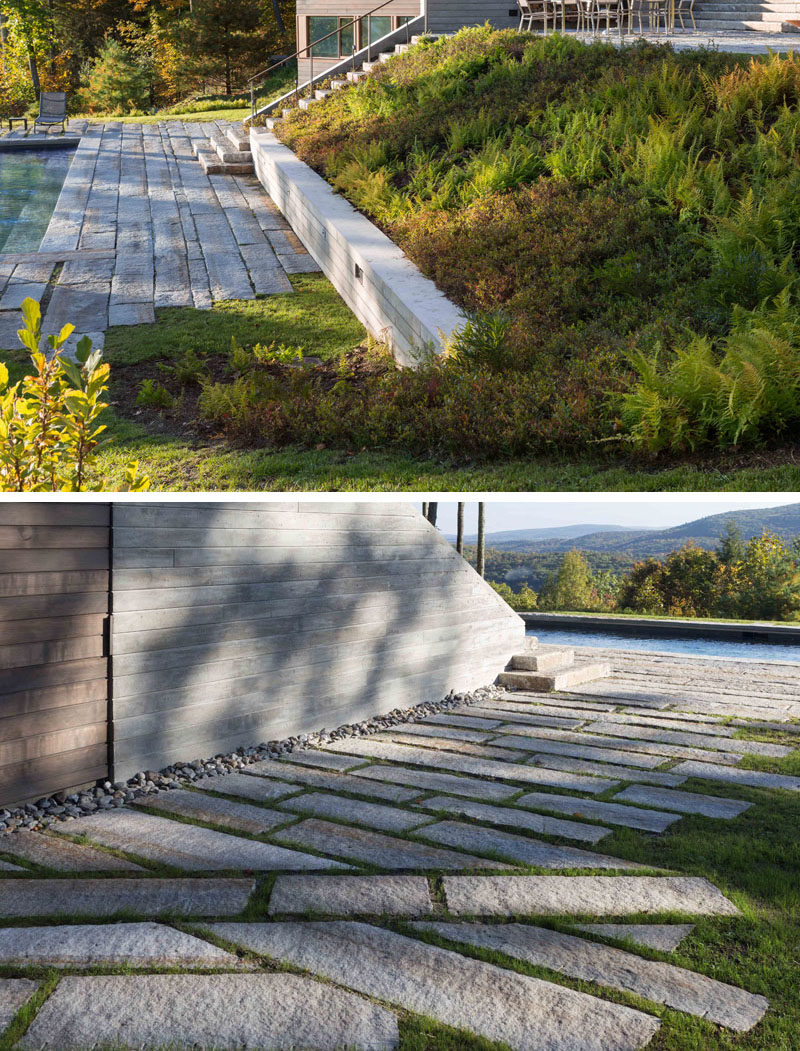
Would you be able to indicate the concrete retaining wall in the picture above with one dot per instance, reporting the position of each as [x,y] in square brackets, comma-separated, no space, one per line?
[448,16]
[234,624]
[382,287]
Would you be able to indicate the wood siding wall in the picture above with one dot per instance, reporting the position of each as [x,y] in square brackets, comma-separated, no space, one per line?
[54,577]
[234,624]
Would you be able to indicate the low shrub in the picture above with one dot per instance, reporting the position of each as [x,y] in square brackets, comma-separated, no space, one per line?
[50,421]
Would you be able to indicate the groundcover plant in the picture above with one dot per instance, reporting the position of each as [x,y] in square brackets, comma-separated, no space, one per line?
[621,223]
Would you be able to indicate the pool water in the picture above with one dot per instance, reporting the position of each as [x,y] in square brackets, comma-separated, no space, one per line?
[696,647]
[30,182]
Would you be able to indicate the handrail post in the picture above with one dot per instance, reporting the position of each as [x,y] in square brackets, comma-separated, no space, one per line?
[252,100]
[369,38]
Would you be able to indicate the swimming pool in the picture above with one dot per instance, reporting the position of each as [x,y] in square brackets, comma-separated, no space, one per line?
[30,182]
[696,647]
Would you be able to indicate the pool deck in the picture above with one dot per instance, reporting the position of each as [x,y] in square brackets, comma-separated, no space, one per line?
[139,225]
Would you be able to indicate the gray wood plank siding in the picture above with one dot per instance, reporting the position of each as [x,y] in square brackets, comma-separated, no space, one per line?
[237,624]
[54,580]
[448,16]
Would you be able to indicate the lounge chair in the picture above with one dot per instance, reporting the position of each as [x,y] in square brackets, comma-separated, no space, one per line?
[52,110]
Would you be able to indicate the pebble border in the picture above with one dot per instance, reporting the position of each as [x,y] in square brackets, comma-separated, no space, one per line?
[64,807]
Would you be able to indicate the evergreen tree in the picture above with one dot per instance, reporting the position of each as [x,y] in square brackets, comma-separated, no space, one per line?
[226,39]
[115,82]
[731,545]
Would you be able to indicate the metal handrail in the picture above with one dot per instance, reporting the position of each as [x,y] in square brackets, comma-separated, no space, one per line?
[276,65]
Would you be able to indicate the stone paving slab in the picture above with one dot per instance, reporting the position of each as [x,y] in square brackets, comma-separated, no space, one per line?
[521,849]
[579,751]
[522,1012]
[105,897]
[612,813]
[685,802]
[708,741]
[452,744]
[697,724]
[660,752]
[336,782]
[191,847]
[499,815]
[109,944]
[751,778]
[257,788]
[536,714]
[323,760]
[374,848]
[587,961]
[431,780]
[663,936]
[351,895]
[224,1011]
[373,815]
[603,771]
[214,810]
[6,866]
[590,895]
[14,993]
[535,702]
[459,718]
[439,732]
[467,764]
[63,855]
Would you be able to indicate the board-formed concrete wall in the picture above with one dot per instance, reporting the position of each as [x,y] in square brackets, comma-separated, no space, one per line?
[53,665]
[448,16]
[239,623]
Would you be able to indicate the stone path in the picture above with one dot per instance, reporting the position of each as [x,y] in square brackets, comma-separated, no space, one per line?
[138,226]
[312,861]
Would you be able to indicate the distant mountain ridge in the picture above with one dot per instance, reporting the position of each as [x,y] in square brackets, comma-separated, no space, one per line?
[567,532]
[645,543]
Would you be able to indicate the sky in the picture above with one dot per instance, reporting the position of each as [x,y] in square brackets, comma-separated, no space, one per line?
[659,511]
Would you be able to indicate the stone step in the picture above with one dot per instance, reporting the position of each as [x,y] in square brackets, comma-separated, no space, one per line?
[500,1005]
[614,968]
[238,137]
[368,67]
[384,56]
[321,93]
[306,103]
[212,165]
[354,75]
[272,122]
[544,659]
[288,110]
[336,85]
[563,679]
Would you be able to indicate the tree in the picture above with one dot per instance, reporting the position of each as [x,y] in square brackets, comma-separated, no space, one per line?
[769,579]
[225,39]
[115,81]
[572,588]
[640,591]
[460,530]
[481,554]
[433,512]
[731,545]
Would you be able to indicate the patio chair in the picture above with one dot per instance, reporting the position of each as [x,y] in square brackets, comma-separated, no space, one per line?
[608,11]
[52,110]
[567,9]
[686,6]
[529,10]
[655,10]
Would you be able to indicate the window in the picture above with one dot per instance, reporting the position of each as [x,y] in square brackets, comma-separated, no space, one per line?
[339,43]
[379,25]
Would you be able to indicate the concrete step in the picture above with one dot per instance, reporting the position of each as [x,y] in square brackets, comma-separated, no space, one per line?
[543,659]
[287,110]
[384,56]
[355,75]
[560,679]
[368,67]
[272,122]
[744,26]
[306,103]
[321,93]
[424,36]
[337,85]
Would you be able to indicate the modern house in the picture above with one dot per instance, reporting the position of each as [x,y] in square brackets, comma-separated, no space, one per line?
[135,635]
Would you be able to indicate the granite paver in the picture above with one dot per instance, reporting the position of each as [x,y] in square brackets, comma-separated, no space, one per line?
[257,788]
[323,760]
[431,780]
[372,815]
[467,764]
[375,848]
[88,945]
[331,779]
[224,1011]
[452,744]
[663,936]
[708,741]
[685,802]
[658,751]
[106,897]
[612,813]
[751,778]
[522,1012]
[351,895]
[223,812]
[580,751]
[14,993]
[6,866]
[499,815]
[522,849]
[663,983]
[603,771]
[63,855]
[191,847]
[590,895]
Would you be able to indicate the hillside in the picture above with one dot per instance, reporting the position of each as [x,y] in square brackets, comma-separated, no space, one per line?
[512,539]
[631,545]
